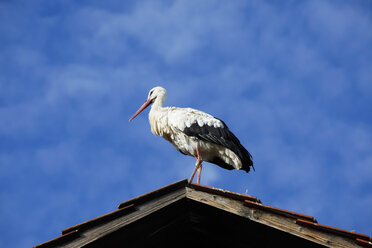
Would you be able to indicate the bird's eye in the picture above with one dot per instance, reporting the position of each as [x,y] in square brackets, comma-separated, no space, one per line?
[151,92]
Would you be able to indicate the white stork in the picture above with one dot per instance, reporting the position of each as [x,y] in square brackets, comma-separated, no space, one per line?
[195,133]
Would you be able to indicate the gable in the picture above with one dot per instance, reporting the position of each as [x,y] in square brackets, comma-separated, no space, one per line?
[189,214]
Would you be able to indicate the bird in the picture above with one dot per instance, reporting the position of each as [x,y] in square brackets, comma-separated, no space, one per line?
[195,133]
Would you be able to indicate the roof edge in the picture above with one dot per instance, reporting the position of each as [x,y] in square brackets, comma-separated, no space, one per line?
[280,211]
[342,232]
[100,219]
[155,193]
[59,240]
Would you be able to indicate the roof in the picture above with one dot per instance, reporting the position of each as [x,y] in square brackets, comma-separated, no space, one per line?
[197,213]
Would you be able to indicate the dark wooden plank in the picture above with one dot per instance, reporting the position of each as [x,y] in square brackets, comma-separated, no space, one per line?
[279,211]
[280,222]
[59,240]
[142,211]
[345,233]
[222,192]
[101,219]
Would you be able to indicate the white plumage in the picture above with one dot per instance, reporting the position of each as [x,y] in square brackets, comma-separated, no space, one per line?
[195,133]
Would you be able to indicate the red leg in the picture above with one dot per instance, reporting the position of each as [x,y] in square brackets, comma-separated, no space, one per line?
[197,165]
[199,172]
[193,173]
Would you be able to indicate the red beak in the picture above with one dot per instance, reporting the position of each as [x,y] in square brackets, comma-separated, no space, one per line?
[145,105]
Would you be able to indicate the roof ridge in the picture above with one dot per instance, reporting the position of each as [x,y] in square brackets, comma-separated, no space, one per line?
[223,192]
[158,192]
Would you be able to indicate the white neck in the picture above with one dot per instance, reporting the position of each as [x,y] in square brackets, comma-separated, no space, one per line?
[159,102]
[156,114]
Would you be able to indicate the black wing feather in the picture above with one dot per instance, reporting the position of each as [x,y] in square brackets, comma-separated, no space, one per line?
[224,137]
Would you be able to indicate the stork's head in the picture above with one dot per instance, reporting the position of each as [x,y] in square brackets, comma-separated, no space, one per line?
[157,92]
[157,95]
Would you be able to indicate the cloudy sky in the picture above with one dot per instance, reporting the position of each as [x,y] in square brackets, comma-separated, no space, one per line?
[293,80]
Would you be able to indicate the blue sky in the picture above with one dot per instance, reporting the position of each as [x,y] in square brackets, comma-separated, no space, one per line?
[292,80]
